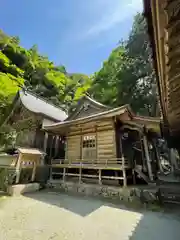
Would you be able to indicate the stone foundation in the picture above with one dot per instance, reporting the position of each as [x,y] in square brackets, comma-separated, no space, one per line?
[128,194]
[19,189]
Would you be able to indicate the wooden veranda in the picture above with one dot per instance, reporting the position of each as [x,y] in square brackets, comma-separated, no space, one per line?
[116,165]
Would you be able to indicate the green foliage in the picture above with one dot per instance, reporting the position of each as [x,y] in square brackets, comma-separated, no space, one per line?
[19,66]
[26,67]
[7,136]
[127,77]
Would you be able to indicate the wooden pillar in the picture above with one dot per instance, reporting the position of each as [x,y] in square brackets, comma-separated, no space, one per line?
[100,177]
[18,168]
[80,173]
[34,171]
[96,142]
[64,174]
[57,139]
[123,164]
[66,148]
[144,165]
[50,156]
[45,141]
[51,170]
[81,144]
[157,156]
[134,177]
[148,160]
[51,147]
[124,172]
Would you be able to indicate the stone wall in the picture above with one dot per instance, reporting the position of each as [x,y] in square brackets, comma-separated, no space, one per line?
[128,194]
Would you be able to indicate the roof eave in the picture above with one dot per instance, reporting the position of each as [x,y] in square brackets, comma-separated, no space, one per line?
[107,114]
[148,15]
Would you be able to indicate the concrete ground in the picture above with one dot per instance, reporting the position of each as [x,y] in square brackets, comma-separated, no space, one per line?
[48,215]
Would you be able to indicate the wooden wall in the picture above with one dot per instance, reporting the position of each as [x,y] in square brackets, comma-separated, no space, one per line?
[73,147]
[106,144]
[104,133]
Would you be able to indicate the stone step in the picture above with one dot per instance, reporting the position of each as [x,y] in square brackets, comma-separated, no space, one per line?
[169,194]
[15,190]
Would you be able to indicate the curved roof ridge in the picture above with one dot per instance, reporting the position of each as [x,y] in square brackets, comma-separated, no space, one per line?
[38,105]
[41,98]
[96,102]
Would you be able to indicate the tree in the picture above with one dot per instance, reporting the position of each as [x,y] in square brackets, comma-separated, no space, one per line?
[127,77]
[37,73]
[20,67]
[144,96]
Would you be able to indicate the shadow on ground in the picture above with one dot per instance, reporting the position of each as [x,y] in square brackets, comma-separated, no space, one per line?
[119,221]
[80,205]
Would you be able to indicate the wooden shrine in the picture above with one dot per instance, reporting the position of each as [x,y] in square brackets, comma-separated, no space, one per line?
[100,143]
[26,116]
[23,161]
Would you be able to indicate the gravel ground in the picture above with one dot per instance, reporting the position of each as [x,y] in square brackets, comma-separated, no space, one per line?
[48,215]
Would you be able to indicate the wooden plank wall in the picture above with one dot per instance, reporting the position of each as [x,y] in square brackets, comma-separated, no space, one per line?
[105,140]
[106,144]
[73,147]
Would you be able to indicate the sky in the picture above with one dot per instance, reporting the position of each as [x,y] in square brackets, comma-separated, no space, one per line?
[79,34]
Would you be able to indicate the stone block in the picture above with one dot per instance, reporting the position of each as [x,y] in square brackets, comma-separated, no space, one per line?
[15,190]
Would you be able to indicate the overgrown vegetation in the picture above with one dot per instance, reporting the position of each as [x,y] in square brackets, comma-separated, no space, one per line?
[127,77]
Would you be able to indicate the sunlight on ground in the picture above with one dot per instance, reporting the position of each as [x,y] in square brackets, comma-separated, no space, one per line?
[115,217]
[45,216]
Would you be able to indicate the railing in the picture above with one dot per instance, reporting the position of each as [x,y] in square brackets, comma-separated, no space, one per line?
[94,162]
[116,164]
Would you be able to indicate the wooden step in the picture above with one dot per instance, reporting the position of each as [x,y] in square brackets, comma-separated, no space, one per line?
[142,175]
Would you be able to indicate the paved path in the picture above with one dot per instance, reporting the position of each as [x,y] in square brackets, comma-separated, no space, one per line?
[46,215]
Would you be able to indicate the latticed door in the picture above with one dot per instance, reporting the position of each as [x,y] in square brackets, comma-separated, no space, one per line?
[89,148]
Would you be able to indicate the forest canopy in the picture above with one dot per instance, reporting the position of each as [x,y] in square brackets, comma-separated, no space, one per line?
[126,77]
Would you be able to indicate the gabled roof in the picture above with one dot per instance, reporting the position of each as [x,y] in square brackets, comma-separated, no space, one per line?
[96,102]
[37,105]
[106,114]
[97,105]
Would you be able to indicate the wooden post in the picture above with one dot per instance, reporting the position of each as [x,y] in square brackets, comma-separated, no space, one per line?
[81,144]
[158,165]
[56,145]
[148,160]
[33,172]
[134,177]
[51,178]
[142,152]
[124,172]
[18,168]
[96,143]
[123,164]
[64,174]
[80,173]
[45,141]
[100,177]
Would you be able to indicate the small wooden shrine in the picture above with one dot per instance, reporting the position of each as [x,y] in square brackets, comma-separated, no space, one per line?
[22,165]
[105,143]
